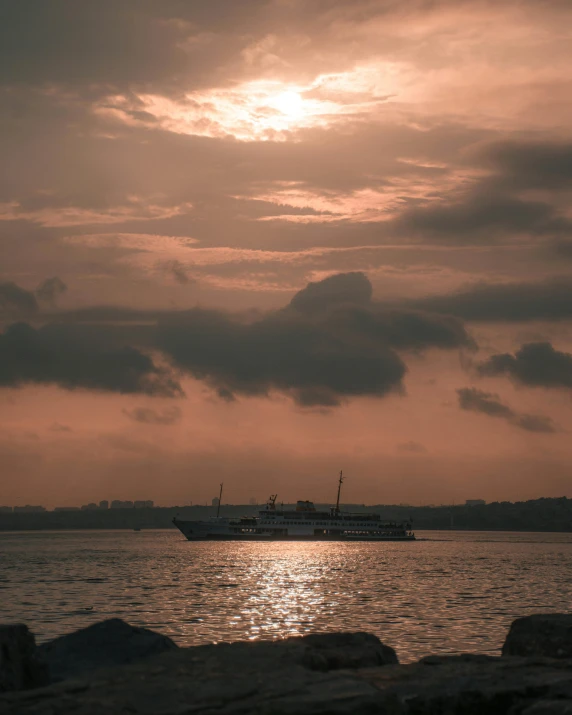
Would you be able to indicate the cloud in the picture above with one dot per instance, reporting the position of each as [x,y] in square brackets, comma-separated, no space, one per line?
[178,271]
[534,365]
[412,447]
[531,165]
[510,190]
[331,343]
[353,288]
[61,356]
[545,300]
[562,249]
[478,401]
[149,416]
[45,49]
[50,290]
[487,403]
[56,215]
[14,299]
[483,212]
[57,427]
[282,352]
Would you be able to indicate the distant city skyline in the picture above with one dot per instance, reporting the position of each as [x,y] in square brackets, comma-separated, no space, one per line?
[105,504]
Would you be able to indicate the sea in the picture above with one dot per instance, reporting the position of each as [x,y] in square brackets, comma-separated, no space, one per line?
[448,592]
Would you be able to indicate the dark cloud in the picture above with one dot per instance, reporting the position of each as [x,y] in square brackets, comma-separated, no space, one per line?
[412,447]
[534,365]
[332,342]
[329,344]
[487,403]
[14,299]
[178,271]
[72,43]
[50,290]
[60,356]
[485,213]
[561,249]
[57,427]
[496,206]
[171,45]
[536,423]
[282,352]
[532,164]
[478,401]
[149,416]
[548,300]
[353,288]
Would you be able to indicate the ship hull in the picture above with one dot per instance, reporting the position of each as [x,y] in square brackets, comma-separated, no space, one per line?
[263,537]
[205,531]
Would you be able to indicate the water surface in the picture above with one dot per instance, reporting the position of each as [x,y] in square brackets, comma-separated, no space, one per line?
[454,592]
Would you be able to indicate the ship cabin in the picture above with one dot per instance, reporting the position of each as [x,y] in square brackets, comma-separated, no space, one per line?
[305,511]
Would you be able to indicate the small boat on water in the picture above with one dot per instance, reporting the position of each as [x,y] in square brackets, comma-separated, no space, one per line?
[304,523]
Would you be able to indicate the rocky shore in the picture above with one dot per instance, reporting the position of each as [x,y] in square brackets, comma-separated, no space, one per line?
[112,667]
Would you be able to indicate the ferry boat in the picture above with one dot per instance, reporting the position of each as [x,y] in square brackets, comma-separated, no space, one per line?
[304,523]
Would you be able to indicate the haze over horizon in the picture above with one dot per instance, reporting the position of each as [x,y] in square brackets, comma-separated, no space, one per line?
[259,242]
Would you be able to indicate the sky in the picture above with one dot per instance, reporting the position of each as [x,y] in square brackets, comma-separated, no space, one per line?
[258,242]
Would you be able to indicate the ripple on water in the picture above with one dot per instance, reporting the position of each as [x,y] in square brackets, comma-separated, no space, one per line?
[453,592]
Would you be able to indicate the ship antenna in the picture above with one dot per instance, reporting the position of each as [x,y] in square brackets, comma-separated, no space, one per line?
[219,500]
[340,482]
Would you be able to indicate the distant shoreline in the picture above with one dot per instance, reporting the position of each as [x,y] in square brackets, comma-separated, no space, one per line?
[537,515]
[76,529]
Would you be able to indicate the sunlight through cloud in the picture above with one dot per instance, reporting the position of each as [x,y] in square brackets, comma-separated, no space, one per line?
[259,110]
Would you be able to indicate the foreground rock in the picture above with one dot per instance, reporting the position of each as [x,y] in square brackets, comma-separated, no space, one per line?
[473,685]
[321,674]
[549,635]
[318,651]
[295,675]
[20,666]
[105,644]
[222,680]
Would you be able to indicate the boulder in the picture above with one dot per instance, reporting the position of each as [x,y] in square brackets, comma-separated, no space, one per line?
[20,666]
[209,680]
[332,651]
[550,707]
[101,645]
[548,635]
[469,685]
[228,680]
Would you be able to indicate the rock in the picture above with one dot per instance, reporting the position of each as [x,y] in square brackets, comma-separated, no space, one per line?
[332,651]
[319,651]
[221,680]
[550,707]
[319,674]
[461,685]
[20,666]
[196,680]
[101,645]
[548,635]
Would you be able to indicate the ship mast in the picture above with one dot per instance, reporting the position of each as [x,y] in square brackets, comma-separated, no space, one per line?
[340,482]
[219,500]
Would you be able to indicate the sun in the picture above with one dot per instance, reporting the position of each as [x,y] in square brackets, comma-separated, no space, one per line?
[289,103]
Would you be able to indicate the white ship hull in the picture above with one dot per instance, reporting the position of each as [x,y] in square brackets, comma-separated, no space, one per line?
[223,529]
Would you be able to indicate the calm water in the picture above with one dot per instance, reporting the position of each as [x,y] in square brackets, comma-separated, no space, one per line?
[453,592]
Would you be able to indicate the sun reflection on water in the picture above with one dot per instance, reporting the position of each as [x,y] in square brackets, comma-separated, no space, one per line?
[456,593]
